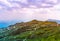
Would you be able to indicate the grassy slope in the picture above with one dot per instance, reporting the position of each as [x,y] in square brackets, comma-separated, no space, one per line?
[33,31]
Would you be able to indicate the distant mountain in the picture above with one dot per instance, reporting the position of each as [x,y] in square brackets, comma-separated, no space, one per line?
[53,20]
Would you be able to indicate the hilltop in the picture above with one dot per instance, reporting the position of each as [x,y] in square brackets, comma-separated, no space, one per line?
[31,31]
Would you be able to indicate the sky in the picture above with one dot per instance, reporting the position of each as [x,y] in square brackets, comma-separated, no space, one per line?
[13,11]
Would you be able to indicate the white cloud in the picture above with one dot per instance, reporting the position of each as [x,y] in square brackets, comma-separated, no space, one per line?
[23,14]
[54,1]
[5,2]
[30,13]
[1,7]
[22,1]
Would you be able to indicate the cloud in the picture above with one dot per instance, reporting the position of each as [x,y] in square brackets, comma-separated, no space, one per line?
[12,11]
[6,4]
[24,14]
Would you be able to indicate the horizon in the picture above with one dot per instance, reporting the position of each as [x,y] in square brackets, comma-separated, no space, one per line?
[9,24]
[14,11]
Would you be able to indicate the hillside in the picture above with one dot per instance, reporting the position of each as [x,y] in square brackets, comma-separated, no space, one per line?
[31,31]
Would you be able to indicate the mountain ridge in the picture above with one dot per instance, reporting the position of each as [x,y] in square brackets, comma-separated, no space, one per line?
[31,31]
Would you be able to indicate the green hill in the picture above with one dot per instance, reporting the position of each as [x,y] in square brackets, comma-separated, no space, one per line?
[31,31]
